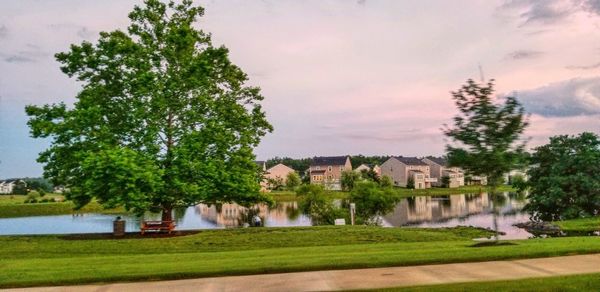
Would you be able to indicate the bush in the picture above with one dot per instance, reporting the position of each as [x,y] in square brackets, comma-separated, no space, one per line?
[320,209]
[386,182]
[372,202]
[445,181]
[410,184]
[349,178]
[292,181]
[519,183]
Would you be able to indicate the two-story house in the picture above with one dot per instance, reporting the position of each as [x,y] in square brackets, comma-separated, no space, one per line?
[439,169]
[327,171]
[404,169]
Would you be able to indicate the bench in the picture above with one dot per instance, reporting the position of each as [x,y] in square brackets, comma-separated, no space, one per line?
[158,226]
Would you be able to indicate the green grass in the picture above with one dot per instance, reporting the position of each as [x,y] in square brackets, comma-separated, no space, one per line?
[590,224]
[588,282]
[14,206]
[53,260]
[402,192]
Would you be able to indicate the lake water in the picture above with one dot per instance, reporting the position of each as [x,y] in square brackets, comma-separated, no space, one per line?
[444,211]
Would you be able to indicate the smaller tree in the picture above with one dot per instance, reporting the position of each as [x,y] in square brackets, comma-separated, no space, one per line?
[410,183]
[319,208]
[349,178]
[519,183]
[372,201]
[292,181]
[486,135]
[386,182]
[275,184]
[20,188]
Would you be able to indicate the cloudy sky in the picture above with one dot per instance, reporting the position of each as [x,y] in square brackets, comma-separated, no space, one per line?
[338,76]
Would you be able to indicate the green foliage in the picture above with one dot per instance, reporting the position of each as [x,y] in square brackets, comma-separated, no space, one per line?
[372,201]
[299,165]
[275,184]
[163,120]
[39,184]
[368,160]
[564,178]
[410,183]
[317,206]
[20,188]
[519,183]
[349,179]
[292,181]
[386,182]
[445,181]
[370,175]
[487,134]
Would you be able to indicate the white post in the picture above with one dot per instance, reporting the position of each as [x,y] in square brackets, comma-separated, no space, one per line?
[352,211]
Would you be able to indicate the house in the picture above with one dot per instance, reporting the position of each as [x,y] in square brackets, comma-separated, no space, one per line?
[327,171]
[439,169]
[7,187]
[476,180]
[402,169]
[278,172]
[367,167]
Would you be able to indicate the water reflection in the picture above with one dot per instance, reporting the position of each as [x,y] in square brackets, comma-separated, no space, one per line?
[466,209]
[445,211]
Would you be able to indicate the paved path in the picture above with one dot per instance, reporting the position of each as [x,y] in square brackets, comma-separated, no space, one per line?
[365,278]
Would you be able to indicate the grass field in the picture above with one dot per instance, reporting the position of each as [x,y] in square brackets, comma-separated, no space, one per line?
[14,206]
[589,282]
[54,260]
[580,225]
[402,192]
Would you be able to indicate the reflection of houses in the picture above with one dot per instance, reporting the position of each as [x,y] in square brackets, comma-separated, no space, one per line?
[402,169]
[231,214]
[439,169]
[327,171]
[436,209]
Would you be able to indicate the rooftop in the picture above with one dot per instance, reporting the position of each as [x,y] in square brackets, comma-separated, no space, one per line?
[329,160]
[410,160]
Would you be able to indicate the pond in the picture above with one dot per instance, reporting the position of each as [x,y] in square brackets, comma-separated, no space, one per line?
[423,211]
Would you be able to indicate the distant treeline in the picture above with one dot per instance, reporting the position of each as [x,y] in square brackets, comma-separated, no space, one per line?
[302,164]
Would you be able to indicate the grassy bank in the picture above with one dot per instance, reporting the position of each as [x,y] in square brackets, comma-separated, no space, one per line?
[402,192]
[580,225]
[54,260]
[589,282]
[14,206]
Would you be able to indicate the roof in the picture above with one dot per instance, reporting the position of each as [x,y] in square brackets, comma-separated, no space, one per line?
[317,171]
[329,160]
[411,160]
[438,160]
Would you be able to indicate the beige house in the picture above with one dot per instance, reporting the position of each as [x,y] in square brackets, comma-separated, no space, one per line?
[402,169]
[363,166]
[278,172]
[439,168]
[327,171]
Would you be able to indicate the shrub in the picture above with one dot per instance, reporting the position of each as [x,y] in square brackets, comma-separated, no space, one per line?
[372,202]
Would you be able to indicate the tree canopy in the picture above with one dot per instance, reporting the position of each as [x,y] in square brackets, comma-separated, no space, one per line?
[486,134]
[163,119]
[564,178]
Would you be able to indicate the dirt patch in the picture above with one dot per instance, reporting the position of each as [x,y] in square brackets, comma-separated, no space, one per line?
[492,243]
[128,235]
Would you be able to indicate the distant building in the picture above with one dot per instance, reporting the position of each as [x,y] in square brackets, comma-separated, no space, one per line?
[278,172]
[7,187]
[402,169]
[376,168]
[327,171]
[439,169]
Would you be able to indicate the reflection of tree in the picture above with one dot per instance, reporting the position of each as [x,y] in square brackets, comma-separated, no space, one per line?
[292,211]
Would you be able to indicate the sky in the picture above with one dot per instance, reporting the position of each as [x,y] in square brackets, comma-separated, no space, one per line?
[339,77]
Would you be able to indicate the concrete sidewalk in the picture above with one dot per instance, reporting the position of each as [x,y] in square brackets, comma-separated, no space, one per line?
[365,278]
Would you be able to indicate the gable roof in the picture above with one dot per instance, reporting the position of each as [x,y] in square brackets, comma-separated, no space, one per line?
[438,160]
[329,160]
[411,160]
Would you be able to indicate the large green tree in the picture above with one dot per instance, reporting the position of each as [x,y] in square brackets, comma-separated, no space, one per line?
[486,135]
[565,178]
[163,119]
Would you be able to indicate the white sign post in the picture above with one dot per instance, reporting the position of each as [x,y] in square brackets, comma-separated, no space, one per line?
[352,211]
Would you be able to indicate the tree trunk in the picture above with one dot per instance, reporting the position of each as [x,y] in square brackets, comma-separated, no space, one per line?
[167,214]
[494,214]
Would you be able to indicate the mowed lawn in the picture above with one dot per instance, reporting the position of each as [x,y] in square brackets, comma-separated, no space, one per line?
[14,206]
[55,260]
[588,282]
[590,224]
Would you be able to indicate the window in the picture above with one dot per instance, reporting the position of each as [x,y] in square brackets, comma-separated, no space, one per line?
[329,168]
[317,168]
